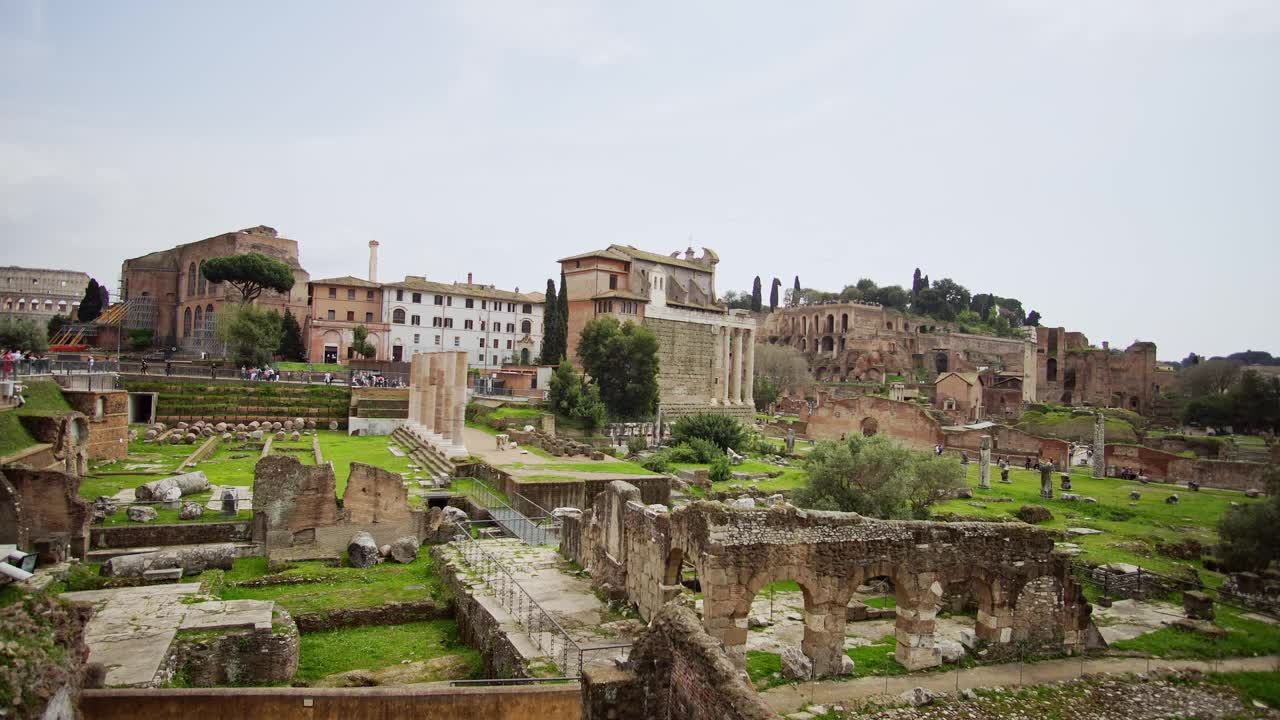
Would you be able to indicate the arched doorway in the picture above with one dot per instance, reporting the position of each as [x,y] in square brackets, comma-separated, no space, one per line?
[1051,370]
[870,426]
[941,362]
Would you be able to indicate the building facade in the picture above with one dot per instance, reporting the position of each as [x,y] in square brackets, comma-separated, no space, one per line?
[338,307]
[1072,372]
[36,294]
[706,354]
[169,295]
[494,327]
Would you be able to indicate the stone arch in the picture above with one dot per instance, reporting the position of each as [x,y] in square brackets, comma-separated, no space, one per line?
[397,316]
[1134,402]
[208,317]
[806,324]
[524,356]
[844,322]
[824,618]
[831,323]
[671,571]
[1038,615]
[804,345]
[202,286]
[828,344]
[820,374]
[526,326]
[198,321]
[869,426]
[1051,370]
[191,279]
[186,322]
[941,362]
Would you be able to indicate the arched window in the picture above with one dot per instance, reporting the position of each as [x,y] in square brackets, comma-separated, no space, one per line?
[526,326]
[1051,370]
[208,317]
[200,281]
[397,316]
[199,321]
[191,279]
[524,356]
[186,322]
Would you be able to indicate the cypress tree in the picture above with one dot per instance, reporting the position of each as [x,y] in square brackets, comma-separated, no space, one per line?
[91,304]
[551,331]
[773,294]
[562,307]
[755,295]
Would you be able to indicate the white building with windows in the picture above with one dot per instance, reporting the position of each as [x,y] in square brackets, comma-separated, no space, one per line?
[492,326]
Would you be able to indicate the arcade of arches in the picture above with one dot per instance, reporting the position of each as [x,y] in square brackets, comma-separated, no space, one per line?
[1024,593]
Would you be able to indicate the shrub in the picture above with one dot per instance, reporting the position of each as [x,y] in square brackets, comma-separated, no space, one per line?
[682,454]
[637,444]
[704,451]
[720,471]
[657,462]
[724,431]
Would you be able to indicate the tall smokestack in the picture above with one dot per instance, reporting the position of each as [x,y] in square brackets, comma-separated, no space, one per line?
[468,278]
[373,261]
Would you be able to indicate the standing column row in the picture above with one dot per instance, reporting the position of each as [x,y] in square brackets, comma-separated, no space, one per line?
[734,365]
[438,394]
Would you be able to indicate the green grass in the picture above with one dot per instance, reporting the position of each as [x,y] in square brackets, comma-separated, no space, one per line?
[1245,637]
[43,398]
[466,486]
[618,467]
[877,660]
[1261,686]
[380,646]
[312,367]
[343,587]
[342,449]
[507,412]
[761,666]
[1060,422]
[1130,530]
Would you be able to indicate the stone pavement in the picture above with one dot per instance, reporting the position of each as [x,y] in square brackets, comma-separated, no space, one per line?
[132,628]
[567,598]
[788,698]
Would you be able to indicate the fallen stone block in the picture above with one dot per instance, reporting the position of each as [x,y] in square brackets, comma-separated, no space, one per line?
[1033,514]
[162,490]
[795,665]
[190,560]
[405,549]
[190,511]
[141,513]
[362,551]
[918,696]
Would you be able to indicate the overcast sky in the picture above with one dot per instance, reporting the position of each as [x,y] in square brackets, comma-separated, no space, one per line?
[1115,165]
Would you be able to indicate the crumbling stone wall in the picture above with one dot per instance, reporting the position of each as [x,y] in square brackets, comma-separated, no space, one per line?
[1013,443]
[905,422]
[675,670]
[375,495]
[1160,465]
[107,415]
[241,656]
[68,437]
[49,515]
[737,553]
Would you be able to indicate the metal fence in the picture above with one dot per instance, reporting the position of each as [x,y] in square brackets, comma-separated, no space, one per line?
[57,366]
[551,639]
[534,528]
[186,369]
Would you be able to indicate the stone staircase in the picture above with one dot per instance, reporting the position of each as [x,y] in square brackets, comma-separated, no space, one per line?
[434,464]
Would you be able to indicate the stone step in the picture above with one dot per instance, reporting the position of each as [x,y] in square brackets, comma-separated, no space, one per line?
[162,575]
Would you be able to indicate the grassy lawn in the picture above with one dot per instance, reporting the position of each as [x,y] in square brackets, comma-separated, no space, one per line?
[508,412]
[614,467]
[1260,686]
[1130,530]
[337,587]
[376,647]
[1060,422]
[43,397]
[342,449]
[1245,637]
[876,659]
[312,367]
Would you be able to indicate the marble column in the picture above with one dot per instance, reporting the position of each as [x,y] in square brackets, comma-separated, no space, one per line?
[735,378]
[984,463]
[725,366]
[717,366]
[749,370]
[437,398]
[1099,447]
[446,399]
[415,389]
[459,383]
[428,391]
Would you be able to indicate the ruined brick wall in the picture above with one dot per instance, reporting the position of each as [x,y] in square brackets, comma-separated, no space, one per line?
[675,671]
[1147,461]
[289,497]
[50,506]
[1222,474]
[905,422]
[247,656]
[107,414]
[649,582]
[375,495]
[67,435]
[1011,442]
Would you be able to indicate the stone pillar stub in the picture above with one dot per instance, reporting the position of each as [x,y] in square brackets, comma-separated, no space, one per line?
[415,389]
[984,463]
[1046,481]
[1099,447]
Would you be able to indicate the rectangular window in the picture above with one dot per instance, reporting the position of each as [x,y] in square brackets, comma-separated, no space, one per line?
[415,320]
[333,292]
[437,322]
[416,339]
[468,324]
[437,339]
[481,342]
[613,282]
[456,340]
[351,316]
[399,295]
[511,327]
[449,301]
[481,357]
[351,294]
[471,303]
[439,299]
[333,315]
[417,298]
[508,344]
[368,295]
[484,304]
[482,324]
[368,317]
[448,322]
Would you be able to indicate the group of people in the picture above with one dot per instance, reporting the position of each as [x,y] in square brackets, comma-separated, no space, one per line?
[265,373]
[367,379]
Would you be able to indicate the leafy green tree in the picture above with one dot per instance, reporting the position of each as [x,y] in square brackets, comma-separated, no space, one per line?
[622,359]
[250,274]
[1033,319]
[876,477]
[360,344]
[1250,534]
[252,334]
[892,296]
[291,345]
[91,304]
[764,392]
[722,430]
[756,300]
[735,300]
[55,325]
[24,335]
[552,332]
[720,472]
[564,389]
[954,297]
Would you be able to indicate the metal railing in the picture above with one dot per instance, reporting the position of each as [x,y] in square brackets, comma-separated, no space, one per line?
[57,366]
[184,369]
[530,530]
[551,639]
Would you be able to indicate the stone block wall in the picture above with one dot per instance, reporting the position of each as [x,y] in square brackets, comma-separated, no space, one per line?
[1222,474]
[128,536]
[245,656]
[45,504]
[1010,442]
[107,413]
[908,423]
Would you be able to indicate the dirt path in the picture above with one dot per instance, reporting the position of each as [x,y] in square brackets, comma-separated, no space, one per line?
[790,697]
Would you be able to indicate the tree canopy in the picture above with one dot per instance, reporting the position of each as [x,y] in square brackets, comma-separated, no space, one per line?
[91,304]
[291,345]
[24,335]
[249,273]
[876,477]
[569,397]
[252,334]
[756,299]
[622,359]
[360,344]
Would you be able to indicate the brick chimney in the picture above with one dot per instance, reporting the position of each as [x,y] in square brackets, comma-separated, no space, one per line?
[468,278]
[373,261]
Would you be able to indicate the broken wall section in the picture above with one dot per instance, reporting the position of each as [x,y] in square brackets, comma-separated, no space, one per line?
[41,511]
